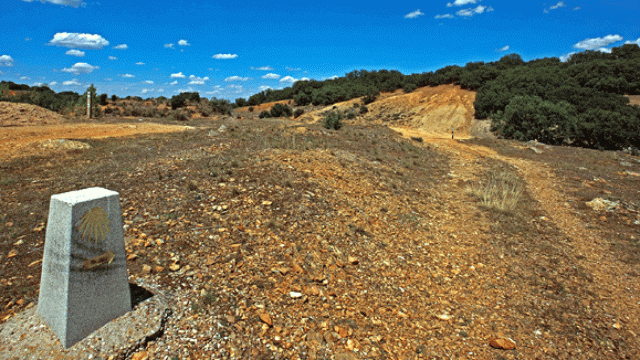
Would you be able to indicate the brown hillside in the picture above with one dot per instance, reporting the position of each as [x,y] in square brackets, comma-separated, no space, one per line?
[12,114]
[435,110]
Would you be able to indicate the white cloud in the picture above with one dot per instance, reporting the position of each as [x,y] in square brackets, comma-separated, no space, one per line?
[73,82]
[271,76]
[148,82]
[6,60]
[74,52]
[80,41]
[144,91]
[25,78]
[444,16]
[604,50]
[197,80]
[81,68]
[462,2]
[160,90]
[53,83]
[413,15]
[558,5]
[472,11]
[594,43]
[128,76]
[169,46]
[183,43]
[179,75]
[236,78]
[121,47]
[637,42]
[291,79]
[264,87]
[188,89]
[264,68]
[503,49]
[140,63]
[72,3]
[174,82]
[576,8]
[113,58]
[566,57]
[293,69]
[225,56]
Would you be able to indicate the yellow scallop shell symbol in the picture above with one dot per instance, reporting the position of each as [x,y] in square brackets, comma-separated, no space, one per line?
[94,225]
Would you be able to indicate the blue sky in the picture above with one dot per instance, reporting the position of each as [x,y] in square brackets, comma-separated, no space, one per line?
[230,50]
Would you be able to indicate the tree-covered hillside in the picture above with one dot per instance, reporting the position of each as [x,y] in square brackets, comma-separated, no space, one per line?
[577,102]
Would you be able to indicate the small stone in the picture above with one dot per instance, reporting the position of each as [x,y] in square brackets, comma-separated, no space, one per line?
[159,269]
[295,295]
[503,343]
[132,257]
[174,267]
[343,333]
[142,355]
[267,203]
[146,269]
[312,291]
[19,242]
[617,326]
[353,260]
[443,317]
[266,319]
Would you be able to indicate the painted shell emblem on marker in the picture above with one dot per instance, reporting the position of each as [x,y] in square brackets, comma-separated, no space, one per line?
[94,225]
[105,258]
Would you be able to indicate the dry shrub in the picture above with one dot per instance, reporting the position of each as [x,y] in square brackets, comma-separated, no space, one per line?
[501,190]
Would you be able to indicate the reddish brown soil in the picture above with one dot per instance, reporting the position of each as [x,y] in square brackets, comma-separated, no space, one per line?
[287,240]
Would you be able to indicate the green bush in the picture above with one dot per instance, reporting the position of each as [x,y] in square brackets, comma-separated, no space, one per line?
[302,99]
[264,114]
[102,99]
[333,120]
[250,108]
[407,88]
[351,115]
[369,98]
[297,113]
[531,118]
[179,115]
[363,109]
[279,110]
[241,102]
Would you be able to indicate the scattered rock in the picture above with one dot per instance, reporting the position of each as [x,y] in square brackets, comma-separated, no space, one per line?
[503,343]
[142,355]
[535,150]
[266,319]
[146,269]
[353,260]
[599,204]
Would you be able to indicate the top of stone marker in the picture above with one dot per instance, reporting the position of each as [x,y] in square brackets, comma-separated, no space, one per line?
[78,196]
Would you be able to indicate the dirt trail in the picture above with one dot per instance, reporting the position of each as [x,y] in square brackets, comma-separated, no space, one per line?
[617,291]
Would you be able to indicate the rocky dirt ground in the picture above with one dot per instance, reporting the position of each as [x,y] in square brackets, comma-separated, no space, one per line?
[281,239]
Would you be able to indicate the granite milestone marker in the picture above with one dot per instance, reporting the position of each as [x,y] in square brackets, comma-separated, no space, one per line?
[84,271]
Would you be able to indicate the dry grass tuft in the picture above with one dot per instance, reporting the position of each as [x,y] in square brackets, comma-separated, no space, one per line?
[502,190]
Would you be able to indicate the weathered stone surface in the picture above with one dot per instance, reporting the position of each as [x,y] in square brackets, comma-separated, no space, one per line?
[84,272]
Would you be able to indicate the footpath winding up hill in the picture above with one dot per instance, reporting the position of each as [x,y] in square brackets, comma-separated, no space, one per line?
[279,239]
